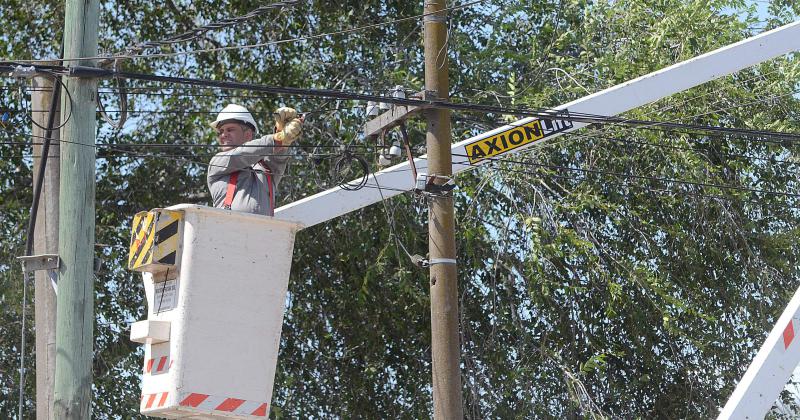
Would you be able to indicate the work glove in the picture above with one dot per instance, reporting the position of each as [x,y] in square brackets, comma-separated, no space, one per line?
[283,115]
[290,132]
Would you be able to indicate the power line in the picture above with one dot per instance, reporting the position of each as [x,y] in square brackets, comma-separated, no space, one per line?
[122,148]
[81,71]
[186,159]
[599,136]
[693,149]
[777,138]
[540,113]
[431,103]
[634,176]
[645,188]
[177,145]
[260,44]
[199,31]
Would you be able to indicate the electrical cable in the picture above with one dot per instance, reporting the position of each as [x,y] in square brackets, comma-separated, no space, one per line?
[262,44]
[782,139]
[628,185]
[338,94]
[597,136]
[692,149]
[569,169]
[390,218]
[340,171]
[634,176]
[61,87]
[463,162]
[123,105]
[197,32]
[169,145]
[409,155]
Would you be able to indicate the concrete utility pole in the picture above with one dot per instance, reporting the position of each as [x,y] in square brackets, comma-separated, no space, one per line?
[75,320]
[45,242]
[445,345]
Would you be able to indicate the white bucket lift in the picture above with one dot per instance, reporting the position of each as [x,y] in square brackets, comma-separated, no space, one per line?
[216,284]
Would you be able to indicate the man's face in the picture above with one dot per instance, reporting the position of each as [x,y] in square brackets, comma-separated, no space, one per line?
[233,134]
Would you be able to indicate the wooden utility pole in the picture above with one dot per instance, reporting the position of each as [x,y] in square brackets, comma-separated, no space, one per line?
[446,348]
[45,242]
[75,312]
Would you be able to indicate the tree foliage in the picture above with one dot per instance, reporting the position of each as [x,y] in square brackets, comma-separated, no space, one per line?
[614,272]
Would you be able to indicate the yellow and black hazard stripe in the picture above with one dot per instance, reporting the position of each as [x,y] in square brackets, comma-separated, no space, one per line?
[141,238]
[155,237]
[166,238]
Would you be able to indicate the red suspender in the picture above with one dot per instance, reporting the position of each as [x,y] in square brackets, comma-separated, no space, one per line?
[231,190]
[271,194]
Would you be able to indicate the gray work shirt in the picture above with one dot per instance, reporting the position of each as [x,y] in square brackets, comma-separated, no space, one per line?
[252,193]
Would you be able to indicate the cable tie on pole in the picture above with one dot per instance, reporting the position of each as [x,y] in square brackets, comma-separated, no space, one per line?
[423,262]
[436,18]
[87,71]
[434,261]
[419,261]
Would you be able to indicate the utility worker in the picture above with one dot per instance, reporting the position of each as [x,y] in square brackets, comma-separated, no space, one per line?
[245,174]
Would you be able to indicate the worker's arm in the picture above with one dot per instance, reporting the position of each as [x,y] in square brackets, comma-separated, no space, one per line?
[248,155]
[287,129]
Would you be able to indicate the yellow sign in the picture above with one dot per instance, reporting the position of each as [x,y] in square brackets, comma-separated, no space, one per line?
[513,138]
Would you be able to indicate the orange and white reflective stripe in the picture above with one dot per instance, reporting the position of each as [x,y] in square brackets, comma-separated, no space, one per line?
[788,334]
[208,403]
[151,401]
[157,365]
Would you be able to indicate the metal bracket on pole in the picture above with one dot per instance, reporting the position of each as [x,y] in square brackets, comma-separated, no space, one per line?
[40,262]
[430,95]
[49,262]
[396,115]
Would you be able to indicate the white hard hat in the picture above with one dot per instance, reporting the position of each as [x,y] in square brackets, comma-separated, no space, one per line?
[234,112]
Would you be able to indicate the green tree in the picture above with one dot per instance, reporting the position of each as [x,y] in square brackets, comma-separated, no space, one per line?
[583,294]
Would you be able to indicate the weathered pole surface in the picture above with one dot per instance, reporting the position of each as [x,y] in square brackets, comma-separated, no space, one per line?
[75,308]
[445,345]
[45,242]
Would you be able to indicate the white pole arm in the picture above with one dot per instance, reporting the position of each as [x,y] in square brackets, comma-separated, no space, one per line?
[770,370]
[392,181]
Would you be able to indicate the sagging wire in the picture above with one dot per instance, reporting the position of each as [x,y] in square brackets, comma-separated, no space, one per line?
[345,164]
[123,103]
[22,72]
[415,259]
[343,168]
[541,113]
[409,154]
[267,43]
[196,33]
[635,176]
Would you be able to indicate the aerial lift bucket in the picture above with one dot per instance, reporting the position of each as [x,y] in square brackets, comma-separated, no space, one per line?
[216,284]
